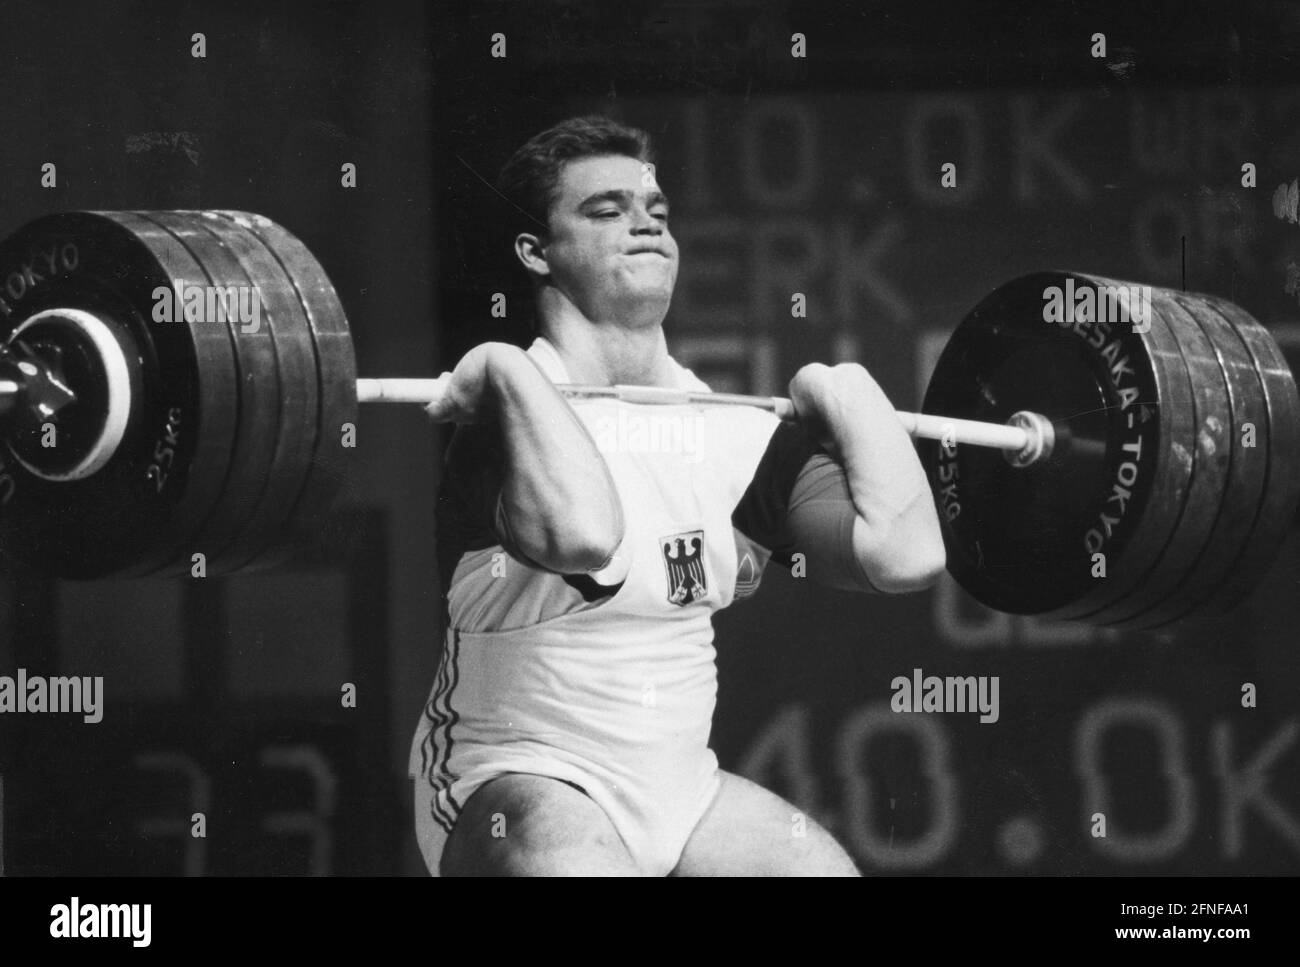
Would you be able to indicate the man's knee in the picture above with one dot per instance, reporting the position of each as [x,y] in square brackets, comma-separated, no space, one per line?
[524,825]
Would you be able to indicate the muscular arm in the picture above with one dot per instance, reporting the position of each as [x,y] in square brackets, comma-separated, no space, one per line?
[555,503]
[896,538]
[844,490]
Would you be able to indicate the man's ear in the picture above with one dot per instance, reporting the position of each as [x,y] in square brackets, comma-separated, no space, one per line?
[531,251]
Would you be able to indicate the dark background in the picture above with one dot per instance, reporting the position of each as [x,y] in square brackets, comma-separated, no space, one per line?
[817,175]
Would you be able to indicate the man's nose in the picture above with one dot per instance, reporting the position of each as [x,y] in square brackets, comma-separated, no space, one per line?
[643,221]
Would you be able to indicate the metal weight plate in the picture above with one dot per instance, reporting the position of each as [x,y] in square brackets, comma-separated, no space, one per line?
[1247,468]
[1281,443]
[181,423]
[295,428]
[228,533]
[336,369]
[1208,485]
[1022,539]
[190,280]
[1128,568]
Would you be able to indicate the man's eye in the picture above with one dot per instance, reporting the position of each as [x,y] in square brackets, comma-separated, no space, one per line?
[607,212]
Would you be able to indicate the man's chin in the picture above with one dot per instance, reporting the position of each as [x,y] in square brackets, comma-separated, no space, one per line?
[642,307]
[636,290]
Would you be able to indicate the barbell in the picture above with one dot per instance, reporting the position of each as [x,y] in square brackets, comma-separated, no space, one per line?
[197,372]
[1024,438]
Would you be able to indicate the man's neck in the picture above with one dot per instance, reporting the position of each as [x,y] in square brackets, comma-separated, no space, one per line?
[606,355]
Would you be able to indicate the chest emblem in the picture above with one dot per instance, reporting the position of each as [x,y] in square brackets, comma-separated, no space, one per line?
[684,563]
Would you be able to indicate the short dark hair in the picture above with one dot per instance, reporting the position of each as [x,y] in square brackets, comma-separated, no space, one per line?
[530,179]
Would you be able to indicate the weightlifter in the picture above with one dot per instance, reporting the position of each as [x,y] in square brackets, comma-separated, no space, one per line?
[567,730]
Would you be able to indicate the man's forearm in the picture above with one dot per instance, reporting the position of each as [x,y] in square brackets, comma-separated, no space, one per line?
[557,496]
[897,536]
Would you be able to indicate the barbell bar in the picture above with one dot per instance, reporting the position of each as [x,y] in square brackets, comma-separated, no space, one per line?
[1026,437]
[1082,467]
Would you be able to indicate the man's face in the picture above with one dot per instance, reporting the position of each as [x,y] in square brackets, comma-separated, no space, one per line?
[610,250]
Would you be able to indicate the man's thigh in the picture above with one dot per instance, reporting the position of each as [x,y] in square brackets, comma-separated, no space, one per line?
[748,831]
[525,825]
